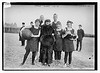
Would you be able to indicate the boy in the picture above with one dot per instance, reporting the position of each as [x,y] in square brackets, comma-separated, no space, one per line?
[20,38]
[41,20]
[54,23]
[80,33]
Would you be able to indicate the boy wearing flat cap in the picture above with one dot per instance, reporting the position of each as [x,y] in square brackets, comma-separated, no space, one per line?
[80,33]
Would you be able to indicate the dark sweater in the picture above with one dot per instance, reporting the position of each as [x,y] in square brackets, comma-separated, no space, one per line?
[80,33]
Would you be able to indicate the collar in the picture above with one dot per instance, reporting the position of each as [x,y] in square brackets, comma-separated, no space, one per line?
[36,27]
[55,21]
[69,28]
[80,29]
[58,29]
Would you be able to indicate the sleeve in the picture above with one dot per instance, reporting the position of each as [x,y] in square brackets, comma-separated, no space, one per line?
[53,31]
[53,26]
[83,33]
[74,32]
[77,32]
[21,28]
[41,31]
[61,32]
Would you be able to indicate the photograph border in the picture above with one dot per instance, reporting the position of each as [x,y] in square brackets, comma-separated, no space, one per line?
[55,3]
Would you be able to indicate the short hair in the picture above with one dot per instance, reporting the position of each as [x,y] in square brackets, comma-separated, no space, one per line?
[55,14]
[80,25]
[47,20]
[23,23]
[69,22]
[41,15]
[31,22]
[37,20]
[58,23]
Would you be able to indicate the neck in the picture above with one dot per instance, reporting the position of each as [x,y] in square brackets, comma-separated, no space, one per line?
[36,27]
[41,20]
[69,28]
[55,20]
[58,29]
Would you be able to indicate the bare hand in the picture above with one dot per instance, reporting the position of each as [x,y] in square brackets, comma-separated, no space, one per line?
[32,35]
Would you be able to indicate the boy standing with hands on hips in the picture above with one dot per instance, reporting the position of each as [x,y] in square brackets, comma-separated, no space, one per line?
[80,33]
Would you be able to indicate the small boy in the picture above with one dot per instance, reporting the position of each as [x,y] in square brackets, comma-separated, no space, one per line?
[80,33]
[20,38]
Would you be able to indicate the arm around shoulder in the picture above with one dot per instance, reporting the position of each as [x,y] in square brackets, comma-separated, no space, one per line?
[36,35]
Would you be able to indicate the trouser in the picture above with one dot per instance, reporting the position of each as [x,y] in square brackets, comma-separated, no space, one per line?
[79,42]
[66,56]
[26,55]
[23,43]
[57,55]
[47,56]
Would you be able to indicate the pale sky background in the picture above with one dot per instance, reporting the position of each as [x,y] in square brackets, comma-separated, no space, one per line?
[79,14]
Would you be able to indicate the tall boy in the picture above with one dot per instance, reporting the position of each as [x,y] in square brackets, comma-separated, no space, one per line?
[80,33]
[20,38]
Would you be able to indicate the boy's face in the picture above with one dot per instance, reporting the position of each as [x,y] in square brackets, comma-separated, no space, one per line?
[37,23]
[69,25]
[55,17]
[47,23]
[23,24]
[80,27]
[42,17]
[59,26]
[31,23]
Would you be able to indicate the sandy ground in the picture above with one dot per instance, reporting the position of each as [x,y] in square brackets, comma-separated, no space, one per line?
[13,56]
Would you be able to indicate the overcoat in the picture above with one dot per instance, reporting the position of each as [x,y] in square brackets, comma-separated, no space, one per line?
[46,51]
